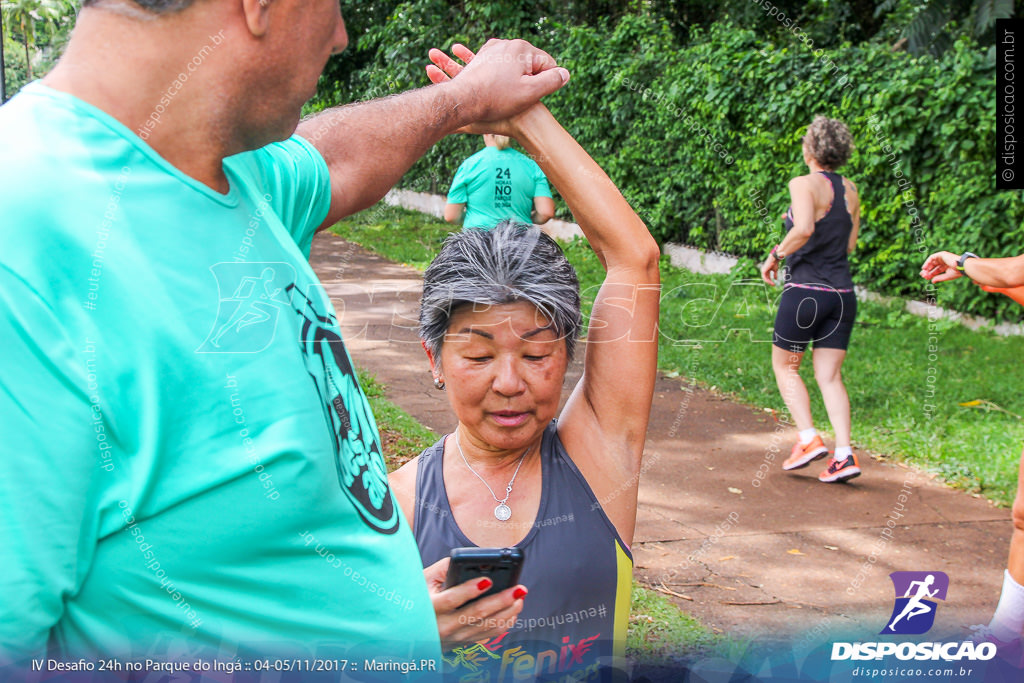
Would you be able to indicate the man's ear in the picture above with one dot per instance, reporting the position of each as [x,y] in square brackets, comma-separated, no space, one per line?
[257,16]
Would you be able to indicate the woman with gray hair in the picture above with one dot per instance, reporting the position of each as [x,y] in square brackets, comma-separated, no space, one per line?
[818,304]
[499,321]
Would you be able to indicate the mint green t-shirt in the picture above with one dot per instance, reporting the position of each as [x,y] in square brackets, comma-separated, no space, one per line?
[496,185]
[190,468]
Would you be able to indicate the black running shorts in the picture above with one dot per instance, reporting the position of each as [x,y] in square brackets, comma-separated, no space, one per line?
[819,315]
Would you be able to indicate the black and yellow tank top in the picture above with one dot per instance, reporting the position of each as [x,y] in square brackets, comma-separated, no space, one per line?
[577,569]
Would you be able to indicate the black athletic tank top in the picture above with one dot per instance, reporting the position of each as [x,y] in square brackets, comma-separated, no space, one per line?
[578,572]
[823,259]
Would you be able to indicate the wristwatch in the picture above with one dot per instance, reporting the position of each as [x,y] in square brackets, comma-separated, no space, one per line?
[963,259]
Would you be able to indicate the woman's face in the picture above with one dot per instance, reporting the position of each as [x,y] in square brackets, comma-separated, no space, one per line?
[503,368]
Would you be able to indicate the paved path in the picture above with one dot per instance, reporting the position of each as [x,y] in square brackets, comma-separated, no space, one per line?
[756,557]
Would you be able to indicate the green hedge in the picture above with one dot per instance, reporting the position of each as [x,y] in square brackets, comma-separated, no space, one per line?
[703,139]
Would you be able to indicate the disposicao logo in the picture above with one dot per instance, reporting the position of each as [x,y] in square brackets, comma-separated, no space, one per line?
[913,613]
[916,595]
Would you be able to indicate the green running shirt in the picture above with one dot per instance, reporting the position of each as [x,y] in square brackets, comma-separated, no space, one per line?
[496,185]
[190,468]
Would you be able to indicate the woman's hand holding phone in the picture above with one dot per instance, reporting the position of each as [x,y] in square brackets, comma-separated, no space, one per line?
[461,624]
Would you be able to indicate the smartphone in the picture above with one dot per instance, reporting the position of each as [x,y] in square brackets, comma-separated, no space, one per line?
[500,565]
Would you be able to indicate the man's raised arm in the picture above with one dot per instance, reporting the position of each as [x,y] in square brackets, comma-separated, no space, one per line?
[370,145]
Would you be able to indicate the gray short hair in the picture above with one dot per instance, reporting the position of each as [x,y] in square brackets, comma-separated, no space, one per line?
[829,142]
[154,6]
[513,262]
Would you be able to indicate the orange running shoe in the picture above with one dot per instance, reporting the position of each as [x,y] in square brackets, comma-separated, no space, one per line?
[802,455]
[841,471]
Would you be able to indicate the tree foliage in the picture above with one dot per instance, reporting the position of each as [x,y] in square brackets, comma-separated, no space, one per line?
[931,26]
[39,27]
[702,138]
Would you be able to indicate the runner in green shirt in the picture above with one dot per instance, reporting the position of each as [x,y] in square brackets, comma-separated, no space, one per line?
[499,183]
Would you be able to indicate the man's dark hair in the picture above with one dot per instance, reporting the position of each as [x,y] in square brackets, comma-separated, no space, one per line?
[154,6]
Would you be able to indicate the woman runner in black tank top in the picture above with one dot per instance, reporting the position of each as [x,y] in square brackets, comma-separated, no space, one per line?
[818,305]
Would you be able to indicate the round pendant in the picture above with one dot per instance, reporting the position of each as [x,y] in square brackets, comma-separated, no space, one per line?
[503,512]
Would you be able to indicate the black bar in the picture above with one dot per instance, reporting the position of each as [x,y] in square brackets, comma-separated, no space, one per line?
[1009,118]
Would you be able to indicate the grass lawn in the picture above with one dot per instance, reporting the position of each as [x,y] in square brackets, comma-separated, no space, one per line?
[658,629]
[908,378]
[402,437]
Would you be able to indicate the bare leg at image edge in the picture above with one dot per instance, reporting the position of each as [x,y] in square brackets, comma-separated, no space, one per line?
[1008,621]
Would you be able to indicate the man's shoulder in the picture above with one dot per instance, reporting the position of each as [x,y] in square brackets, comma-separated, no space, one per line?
[41,136]
[253,160]
[55,184]
[20,121]
[289,158]
[30,179]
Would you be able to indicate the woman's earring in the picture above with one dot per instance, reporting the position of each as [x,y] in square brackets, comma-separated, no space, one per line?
[439,383]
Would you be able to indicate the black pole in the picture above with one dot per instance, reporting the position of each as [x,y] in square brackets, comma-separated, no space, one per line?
[3,67]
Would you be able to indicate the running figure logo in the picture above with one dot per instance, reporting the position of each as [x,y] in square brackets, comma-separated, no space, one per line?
[916,595]
[251,297]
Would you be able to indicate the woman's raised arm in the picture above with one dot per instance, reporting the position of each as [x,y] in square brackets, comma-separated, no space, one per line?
[604,423]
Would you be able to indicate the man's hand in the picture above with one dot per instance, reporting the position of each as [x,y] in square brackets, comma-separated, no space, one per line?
[940,266]
[461,624]
[369,146]
[504,78]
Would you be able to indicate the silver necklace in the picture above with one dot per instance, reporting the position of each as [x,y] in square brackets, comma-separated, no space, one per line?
[502,512]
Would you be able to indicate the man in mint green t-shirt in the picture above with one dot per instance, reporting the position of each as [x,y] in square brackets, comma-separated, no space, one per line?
[191,470]
[498,183]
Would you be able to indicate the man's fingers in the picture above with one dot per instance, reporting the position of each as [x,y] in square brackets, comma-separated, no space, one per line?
[436,75]
[436,56]
[444,62]
[540,61]
[463,52]
[502,79]
[548,81]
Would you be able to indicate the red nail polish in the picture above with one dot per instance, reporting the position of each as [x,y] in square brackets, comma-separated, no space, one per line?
[519,593]
[484,583]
